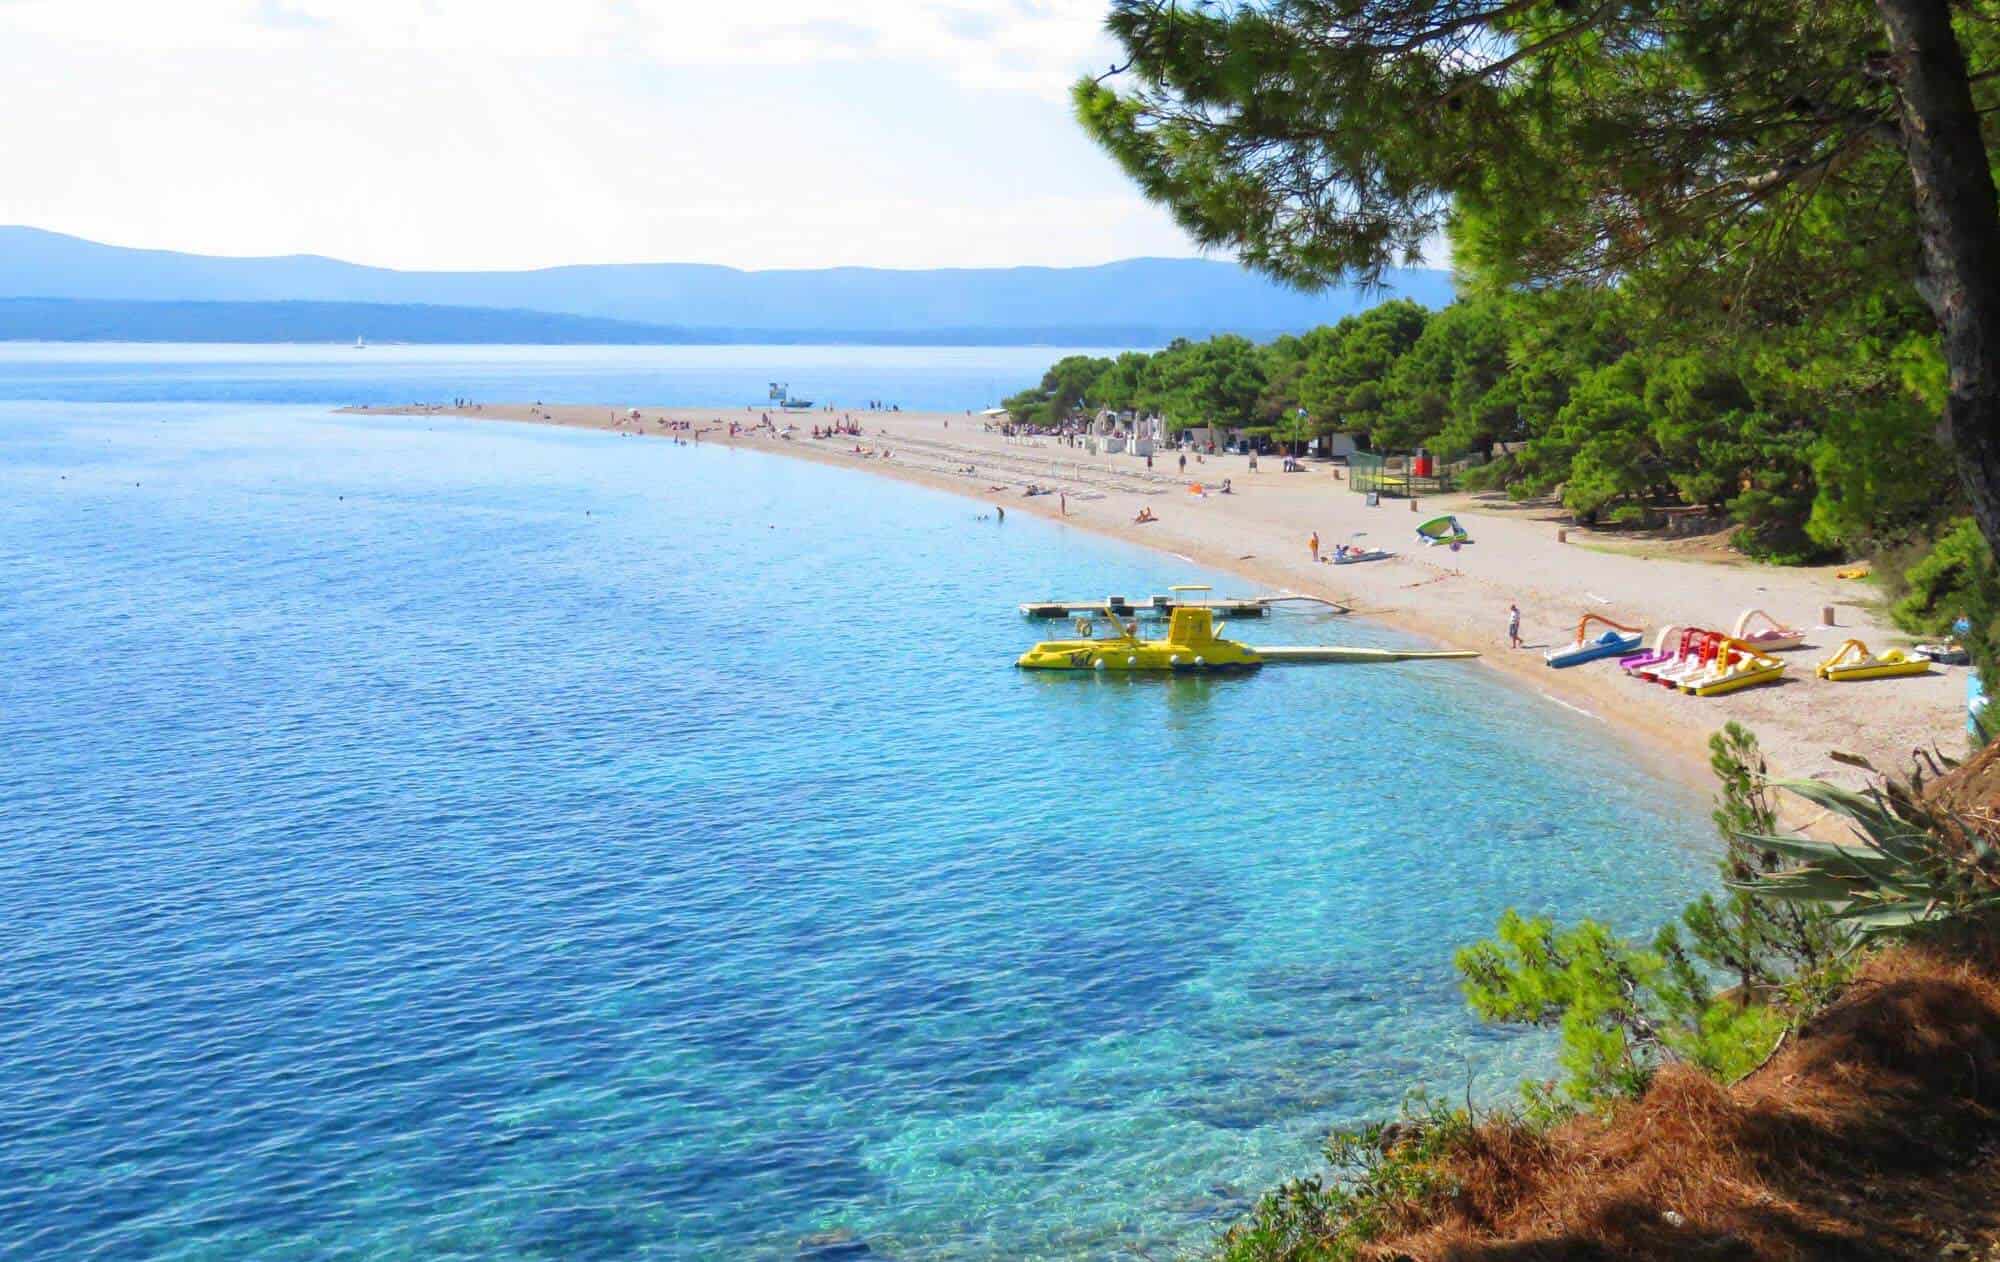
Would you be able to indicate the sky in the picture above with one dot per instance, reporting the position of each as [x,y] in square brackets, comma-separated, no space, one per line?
[473,134]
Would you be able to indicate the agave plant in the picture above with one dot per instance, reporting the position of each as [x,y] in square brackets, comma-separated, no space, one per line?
[1910,867]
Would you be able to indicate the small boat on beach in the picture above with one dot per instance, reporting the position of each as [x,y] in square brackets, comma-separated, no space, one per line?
[1696,655]
[1853,661]
[1616,641]
[1672,654]
[1735,666]
[1774,637]
[1442,530]
[1949,653]
[1355,556]
[1666,647]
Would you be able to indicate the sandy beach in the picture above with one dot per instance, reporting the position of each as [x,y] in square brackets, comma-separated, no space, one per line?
[1260,532]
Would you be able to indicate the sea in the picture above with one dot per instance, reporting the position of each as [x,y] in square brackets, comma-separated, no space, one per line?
[425,838]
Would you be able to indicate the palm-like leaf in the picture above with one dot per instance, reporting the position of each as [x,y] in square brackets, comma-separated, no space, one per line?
[1908,868]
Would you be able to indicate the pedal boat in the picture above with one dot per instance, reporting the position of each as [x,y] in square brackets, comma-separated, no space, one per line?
[1193,643]
[1945,654]
[1658,655]
[1669,661]
[1354,557]
[1775,636]
[1736,666]
[1697,656]
[1854,661]
[1617,641]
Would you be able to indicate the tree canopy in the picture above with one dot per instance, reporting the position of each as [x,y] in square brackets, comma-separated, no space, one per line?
[1790,205]
[1816,440]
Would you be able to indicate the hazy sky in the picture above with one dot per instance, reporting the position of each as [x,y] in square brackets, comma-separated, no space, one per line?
[500,133]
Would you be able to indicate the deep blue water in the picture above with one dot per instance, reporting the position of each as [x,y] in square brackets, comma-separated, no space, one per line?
[918,378]
[433,839]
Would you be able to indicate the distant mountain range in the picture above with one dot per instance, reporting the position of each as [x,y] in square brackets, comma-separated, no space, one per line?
[87,291]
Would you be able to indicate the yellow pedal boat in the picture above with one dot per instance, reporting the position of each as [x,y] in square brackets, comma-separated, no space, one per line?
[1854,661]
[1192,643]
[1737,666]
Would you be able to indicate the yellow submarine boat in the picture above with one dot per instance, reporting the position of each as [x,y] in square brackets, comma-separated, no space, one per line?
[1192,643]
[1854,661]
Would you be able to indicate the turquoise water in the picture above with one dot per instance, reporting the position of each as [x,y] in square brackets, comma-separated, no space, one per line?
[437,839]
[922,378]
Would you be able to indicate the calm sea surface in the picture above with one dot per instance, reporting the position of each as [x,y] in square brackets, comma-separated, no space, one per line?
[435,839]
[919,378]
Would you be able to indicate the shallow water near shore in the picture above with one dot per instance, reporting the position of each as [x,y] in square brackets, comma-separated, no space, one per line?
[430,838]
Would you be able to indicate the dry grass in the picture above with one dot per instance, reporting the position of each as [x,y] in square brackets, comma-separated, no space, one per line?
[1971,789]
[1875,1133]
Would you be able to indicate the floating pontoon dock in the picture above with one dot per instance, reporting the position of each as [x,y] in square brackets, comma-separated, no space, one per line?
[1150,607]
[1182,596]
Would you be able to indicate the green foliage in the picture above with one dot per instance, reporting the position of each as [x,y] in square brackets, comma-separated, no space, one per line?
[1810,446]
[1910,869]
[1123,386]
[1585,981]
[1730,1039]
[1763,944]
[1697,223]
[1319,138]
[1711,189]
[1345,386]
[1622,1008]
[1064,388]
[1383,1173]
[1216,382]
[1955,577]
[1873,402]
[1450,391]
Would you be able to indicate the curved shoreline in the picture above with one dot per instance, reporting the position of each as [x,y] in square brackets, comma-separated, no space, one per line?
[1259,533]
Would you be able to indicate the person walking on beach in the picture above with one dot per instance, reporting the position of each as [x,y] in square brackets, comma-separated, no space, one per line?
[1184,462]
[1001,511]
[1513,625]
[1313,543]
[1064,496]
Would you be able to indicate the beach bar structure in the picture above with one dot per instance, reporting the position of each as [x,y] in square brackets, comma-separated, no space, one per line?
[1396,475]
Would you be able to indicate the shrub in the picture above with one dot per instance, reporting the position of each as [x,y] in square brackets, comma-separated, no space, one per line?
[1911,869]
[1384,1174]
[1762,943]
[1952,578]
[1622,1009]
